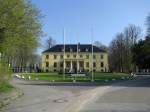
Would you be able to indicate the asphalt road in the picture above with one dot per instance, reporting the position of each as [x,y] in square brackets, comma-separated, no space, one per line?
[125,96]
[46,97]
[128,96]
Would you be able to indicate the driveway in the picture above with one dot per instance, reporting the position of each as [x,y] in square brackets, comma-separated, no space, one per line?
[128,96]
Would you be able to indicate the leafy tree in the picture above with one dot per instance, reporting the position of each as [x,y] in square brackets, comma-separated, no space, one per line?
[141,53]
[5,72]
[141,50]
[20,29]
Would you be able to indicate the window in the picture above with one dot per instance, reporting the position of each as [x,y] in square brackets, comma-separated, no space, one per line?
[81,64]
[55,64]
[46,70]
[102,70]
[81,56]
[55,56]
[87,56]
[74,56]
[102,64]
[94,64]
[68,56]
[87,64]
[94,56]
[47,64]
[61,64]
[102,56]
[61,56]
[55,70]
[47,56]
[94,70]
[67,64]
[87,70]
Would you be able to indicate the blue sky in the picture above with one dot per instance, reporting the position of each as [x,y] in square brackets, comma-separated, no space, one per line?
[106,17]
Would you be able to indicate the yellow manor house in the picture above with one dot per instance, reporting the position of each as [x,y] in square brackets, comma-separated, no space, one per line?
[75,58]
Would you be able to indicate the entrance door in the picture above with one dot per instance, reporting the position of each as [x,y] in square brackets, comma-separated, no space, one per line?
[81,66]
[74,66]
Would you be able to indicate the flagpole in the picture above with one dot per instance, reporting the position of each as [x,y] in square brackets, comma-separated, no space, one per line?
[77,58]
[64,54]
[92,54]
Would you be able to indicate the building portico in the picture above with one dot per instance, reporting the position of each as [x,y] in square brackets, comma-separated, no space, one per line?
[73,65]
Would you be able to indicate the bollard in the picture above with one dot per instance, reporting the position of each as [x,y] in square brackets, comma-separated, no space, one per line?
[106,80]
[92,80]
[29,77]
[23,77]
[74,81]
[123,78]
[113,79]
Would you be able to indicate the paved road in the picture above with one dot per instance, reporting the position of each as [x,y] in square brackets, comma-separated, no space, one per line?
[46,97]
[129,96]
[126,96]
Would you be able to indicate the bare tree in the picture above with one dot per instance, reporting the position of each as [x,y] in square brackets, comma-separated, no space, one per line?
[113,56]
[120,54]
[100,45]
[118,50]
[50,42]
[131,33]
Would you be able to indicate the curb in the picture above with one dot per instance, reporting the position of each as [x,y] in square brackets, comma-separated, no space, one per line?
[7,100]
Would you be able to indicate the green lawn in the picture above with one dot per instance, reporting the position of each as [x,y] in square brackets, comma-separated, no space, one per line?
[5,87]
[59,77]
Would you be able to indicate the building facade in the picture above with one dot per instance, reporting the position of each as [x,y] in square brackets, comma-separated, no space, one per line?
[75,58]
